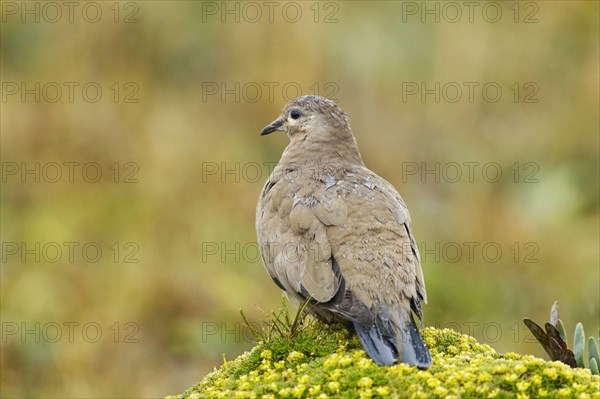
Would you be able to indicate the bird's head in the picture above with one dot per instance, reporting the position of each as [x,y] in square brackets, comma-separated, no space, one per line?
[313,116]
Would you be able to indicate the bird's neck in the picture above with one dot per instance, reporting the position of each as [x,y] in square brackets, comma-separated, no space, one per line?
[315,152]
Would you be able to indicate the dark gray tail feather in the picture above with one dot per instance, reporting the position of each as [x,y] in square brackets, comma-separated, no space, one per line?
[381,343]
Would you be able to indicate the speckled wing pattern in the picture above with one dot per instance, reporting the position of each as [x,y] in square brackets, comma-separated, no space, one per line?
[343,238]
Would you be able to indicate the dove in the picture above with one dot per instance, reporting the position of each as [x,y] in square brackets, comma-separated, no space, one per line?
[334,233]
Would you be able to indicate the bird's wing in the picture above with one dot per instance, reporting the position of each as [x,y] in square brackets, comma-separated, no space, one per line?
[291,225]
[375,249]
[319,237]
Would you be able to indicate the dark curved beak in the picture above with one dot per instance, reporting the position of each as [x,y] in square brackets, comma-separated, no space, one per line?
[276,125]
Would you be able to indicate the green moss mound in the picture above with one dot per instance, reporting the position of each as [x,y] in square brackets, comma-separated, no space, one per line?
[326,361]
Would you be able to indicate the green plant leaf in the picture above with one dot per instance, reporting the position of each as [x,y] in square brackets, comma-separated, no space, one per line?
[561,330]
[594,367]
[593,351]
[579,344]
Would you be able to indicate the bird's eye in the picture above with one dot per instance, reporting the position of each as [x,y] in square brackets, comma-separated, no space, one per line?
[295,114]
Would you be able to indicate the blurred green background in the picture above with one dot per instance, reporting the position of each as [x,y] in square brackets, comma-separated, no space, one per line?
[186,88]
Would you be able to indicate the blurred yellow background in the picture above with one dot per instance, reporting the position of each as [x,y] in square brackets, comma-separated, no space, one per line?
[132,164]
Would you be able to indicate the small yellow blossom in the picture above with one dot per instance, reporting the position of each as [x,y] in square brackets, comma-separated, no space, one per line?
[303,379]
[523,386]
[564,392]
[345,361]
[331,360]
[433,382]
[440,391]
[333,386]
[335,374]
[519,368]
[315,389]
[272,387]
[294,355]
[500,369]
[244,395]
[365,382]
[287,373]
[550,372]
[298,391]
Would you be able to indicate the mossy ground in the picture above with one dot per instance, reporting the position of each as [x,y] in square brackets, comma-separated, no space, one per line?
[327,361]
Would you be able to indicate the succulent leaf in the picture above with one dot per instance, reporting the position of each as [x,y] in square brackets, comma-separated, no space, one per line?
[593,351]
[554,314]
[579,344]
[561,330]
[594,366]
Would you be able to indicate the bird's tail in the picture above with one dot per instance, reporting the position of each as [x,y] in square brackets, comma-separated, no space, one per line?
[383,342]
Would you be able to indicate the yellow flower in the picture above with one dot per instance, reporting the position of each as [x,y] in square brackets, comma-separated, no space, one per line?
[298,390]
[345,361]
[365,382]
[288,373]
[382,391]
[333,386]
[315,389]
[244,395]
[331,360]
[294,355]
[564,392]
[433,382]
[550,372]
[335,374]
[303,379]
[279,365]
[500,369]
[519,368]
[523,385]
[272,387]
[440,391]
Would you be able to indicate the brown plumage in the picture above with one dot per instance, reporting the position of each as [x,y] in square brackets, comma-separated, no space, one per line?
[331,229]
